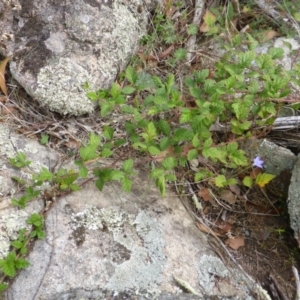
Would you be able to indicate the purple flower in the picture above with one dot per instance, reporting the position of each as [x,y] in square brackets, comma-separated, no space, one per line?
[258,162]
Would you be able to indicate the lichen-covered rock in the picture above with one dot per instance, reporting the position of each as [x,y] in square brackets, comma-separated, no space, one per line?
[113,245]
[58,46]
[12,219]
[294,201]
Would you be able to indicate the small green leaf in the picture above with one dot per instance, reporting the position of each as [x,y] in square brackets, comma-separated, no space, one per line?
[21,263]
[169,163]
[127,90]
[192,29]
[248,181]
[161,183]
[220,181]
[105,108]
[44,139]
[183,134]
[7,265]
[155,173]
[180,54]
[192,154]
[126,184]
[153,150]
[44,175]
[106,153]
[3,287]
[131,75]
[264,178]
[108,132]
[164,126]
[128,165]
[20,160]
[100,184]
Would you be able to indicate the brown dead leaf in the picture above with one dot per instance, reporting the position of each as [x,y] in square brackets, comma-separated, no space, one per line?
[269,34]
[235,189]
[236,242]
[3,99]
[228,196]
[73,144]
[208,19]
[7,110]
[204,27]
[166,52]
[261,234]
[223,226]
[204,193]
[206,229]
[253,174]
[160,55]
[163,154]
[2,75]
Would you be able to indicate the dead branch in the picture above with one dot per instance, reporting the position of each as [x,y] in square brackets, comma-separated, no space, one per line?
[190,45]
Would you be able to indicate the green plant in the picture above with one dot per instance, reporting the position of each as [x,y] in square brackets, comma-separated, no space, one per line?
[15,260]
[245,92]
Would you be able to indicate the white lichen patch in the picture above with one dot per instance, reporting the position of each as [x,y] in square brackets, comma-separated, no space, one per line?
[140,235]
[60,87]
[10,225]
[94,218]
[211,268]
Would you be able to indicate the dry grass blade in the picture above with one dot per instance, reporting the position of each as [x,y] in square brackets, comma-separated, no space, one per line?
[2,75]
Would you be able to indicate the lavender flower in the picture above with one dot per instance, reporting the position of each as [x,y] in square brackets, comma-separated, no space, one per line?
[258,162]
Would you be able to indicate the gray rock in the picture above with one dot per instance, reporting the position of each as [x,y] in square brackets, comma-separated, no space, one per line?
[58,46]
[11,219]
[294,201]
[113,245]
[277,158]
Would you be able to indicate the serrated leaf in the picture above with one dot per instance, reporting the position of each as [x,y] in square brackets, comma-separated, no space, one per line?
[239,158]
[220,181]
[128,165]
[209,19]
[169,163]
[248,181]
[155,173]
[21,263]
[192,29]
[131,75]
[44,175]
[105,108]
[44,139]
[106,153]
[200,76]
[108,133]
[202,174]
[192,154]
[180,54]
[99,183]
[126,184]
[115,90]
[161,183]
[127,90]
[264,61]
[276,53]
[232,147]
[183,134]
[164,126]
[253,87]
[245,59]
[2,75]
[264,178]
[153,150]
[3,287]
